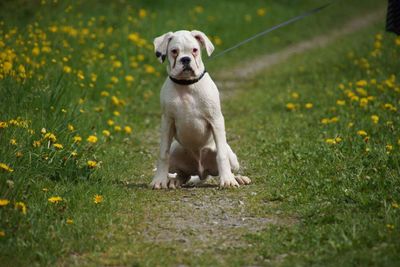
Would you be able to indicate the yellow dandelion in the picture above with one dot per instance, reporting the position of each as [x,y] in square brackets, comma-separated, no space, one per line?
[395,205]
[149,69]
[295,95]
[104,93]
[92,139]
[142,13]
[74,153]
[55,199]
[106,133]
[5,167]
[4,202]
[13,142]
[340,102]
[45,189]
[58,146]
[389,148]
[97,199]
[77,139]
[117,128]
[129,78]
[309,106]
[69,221]
[362,83]
[3,124]
[50,136]
[21,207]
[71,127]
[19,154]
[67,69]
[330,141]
[290,106]
[92,164]
[7,67]
[198,9]
[375,119]
[128,129]
[36,143]
[110,122]
[397,41]
[362,133]
[261,12]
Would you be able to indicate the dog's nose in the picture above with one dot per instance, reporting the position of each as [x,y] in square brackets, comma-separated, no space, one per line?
[185,60]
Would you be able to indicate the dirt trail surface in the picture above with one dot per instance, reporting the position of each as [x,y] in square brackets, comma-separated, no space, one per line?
[205,219]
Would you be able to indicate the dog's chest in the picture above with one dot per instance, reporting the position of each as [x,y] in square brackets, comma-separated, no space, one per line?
[185,104]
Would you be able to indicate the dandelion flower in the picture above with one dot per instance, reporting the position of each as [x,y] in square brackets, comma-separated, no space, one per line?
[290,106]
[77,139]
[129,78]
[58,146]
[330,141]
[5,167]
[13,142]
[3,124]
[106,133]
[340,102]
[55,199]
[92,164]
[50,136]
[375,119]
[389,148]
[97,199]
[309,106]
[362,83]
[128,129]
[92,139]
[261,12]
[4,202]
[117,128]
[198,9]
[362,133]
[21,207]
[69,221]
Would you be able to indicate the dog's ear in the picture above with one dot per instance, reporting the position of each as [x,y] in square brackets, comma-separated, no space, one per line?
[204,41]
[161,45]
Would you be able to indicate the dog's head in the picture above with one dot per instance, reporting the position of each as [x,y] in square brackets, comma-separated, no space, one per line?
[182,48]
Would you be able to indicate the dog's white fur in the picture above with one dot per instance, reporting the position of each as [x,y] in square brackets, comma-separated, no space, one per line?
[193,140]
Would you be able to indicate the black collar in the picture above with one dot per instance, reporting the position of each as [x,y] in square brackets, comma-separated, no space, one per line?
[188,82]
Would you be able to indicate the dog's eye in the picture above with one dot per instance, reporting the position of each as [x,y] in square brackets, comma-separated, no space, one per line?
[195,50]
[174,51]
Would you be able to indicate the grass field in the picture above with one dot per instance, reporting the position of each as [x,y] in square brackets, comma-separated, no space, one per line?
[78,140]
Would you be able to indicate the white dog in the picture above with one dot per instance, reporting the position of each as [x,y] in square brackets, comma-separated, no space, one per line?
[193,140]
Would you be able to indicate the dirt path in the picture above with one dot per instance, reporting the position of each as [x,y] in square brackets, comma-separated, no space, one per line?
[207,220]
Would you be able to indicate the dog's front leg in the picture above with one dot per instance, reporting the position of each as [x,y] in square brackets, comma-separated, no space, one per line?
[160,179]
[227,178]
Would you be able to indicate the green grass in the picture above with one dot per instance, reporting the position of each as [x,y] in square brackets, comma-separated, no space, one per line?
[339,197]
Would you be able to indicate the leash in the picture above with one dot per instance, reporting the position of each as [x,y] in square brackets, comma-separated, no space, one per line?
[280,25]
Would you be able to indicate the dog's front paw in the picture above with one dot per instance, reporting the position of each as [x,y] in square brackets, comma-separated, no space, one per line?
[159,183]
[242,180]
[228,181]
